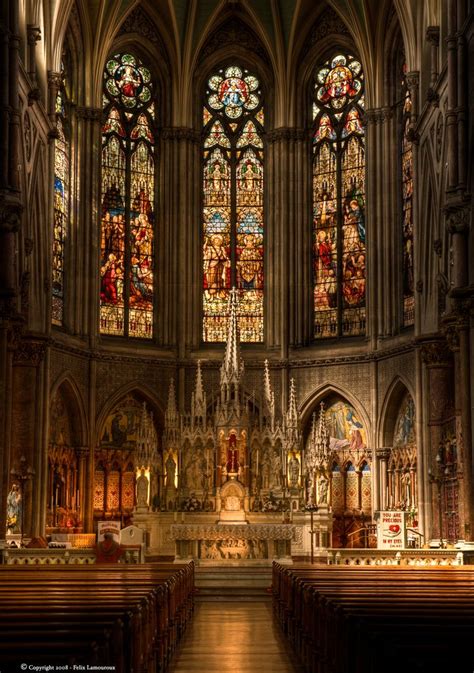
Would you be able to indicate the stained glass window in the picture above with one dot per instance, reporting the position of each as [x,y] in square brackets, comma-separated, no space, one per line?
[60,205]
[127,199]
[407,206]
[339,198]
[233,203]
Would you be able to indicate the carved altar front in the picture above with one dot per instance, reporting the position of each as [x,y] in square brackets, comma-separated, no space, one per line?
[222,543]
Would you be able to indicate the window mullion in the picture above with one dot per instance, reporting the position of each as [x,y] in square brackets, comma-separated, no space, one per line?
[233,211]
[340,279]
[126,274]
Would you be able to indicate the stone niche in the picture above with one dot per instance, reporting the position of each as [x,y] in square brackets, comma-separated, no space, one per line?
[232,503]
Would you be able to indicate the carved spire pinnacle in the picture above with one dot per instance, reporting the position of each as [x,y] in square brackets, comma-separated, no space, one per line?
[317,454]
[268,395]
[232,367]
[198,398]
[292,412]
[171,415]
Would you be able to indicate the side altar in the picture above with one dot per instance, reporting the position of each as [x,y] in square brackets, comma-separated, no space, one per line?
[234,483]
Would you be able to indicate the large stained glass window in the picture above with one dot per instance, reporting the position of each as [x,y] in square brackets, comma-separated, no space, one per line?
[233,121]
[60,204]
[127,199]
[339,199]
[407,206]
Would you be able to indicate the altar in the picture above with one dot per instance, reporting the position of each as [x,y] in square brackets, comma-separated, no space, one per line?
[258,544]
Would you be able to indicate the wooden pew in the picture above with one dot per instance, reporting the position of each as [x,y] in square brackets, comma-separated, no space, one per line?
[364,619]
[128,616]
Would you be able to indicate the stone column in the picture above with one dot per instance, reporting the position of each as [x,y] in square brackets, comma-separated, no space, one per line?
[82,453]
[33,35]
[82,314]
[27,426]
[179,231]
[432,36]
[375,285]
[438,366]
[288,241]
[382,456]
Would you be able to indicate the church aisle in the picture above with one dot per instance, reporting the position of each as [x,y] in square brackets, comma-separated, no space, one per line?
[234,637]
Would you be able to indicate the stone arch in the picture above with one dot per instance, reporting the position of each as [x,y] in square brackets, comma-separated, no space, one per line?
[316,47]
[66,385]
[390,408]
[142,393]
[311,404]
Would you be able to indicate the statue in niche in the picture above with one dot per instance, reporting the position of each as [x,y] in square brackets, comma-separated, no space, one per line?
[170,471]
[294,470]
[406,488]
[266,470]
[232,464]
[275,477]
[323,485]
[14,509]
[142,489]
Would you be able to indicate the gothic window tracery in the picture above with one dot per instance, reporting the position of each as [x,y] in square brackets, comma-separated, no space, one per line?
[339,233]
[127,260]
[61,199]
[233,224]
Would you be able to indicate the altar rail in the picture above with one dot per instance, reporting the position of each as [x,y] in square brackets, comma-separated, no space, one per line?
[404,557]
[73,556]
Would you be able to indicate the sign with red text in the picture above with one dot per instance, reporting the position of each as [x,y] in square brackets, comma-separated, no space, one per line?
[391,532]
[112,527]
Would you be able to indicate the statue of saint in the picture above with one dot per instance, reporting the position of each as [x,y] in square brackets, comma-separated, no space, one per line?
[14,509]
[323,485]
[232,455]
[406,490]
[275,476]
[170,471]
[294,470]
[142,490]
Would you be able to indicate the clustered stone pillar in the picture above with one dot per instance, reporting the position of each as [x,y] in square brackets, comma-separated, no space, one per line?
[437,389]
[458,319]
[10,220]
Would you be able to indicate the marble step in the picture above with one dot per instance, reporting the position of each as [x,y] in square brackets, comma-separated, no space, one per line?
[233,583]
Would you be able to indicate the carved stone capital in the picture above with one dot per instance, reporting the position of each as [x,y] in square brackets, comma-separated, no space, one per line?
[436,353]
[285,133]
[457,219]
[181,134]
[90,114]
[432,35]
[33,34]
[34,95]
[29,245]
[383,453]
[30,352]
[438,247]
[451,333]
[386,113]
[432,97]
[413,79]
[10,215]
[372,116]
[55,79]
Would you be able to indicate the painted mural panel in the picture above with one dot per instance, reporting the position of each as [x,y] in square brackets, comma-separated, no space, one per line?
[404,434]
[345,427]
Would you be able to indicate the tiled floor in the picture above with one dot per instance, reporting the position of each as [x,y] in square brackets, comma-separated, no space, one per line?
[233,638]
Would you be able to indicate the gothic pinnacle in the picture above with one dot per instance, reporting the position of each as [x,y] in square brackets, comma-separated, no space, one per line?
[232,367]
